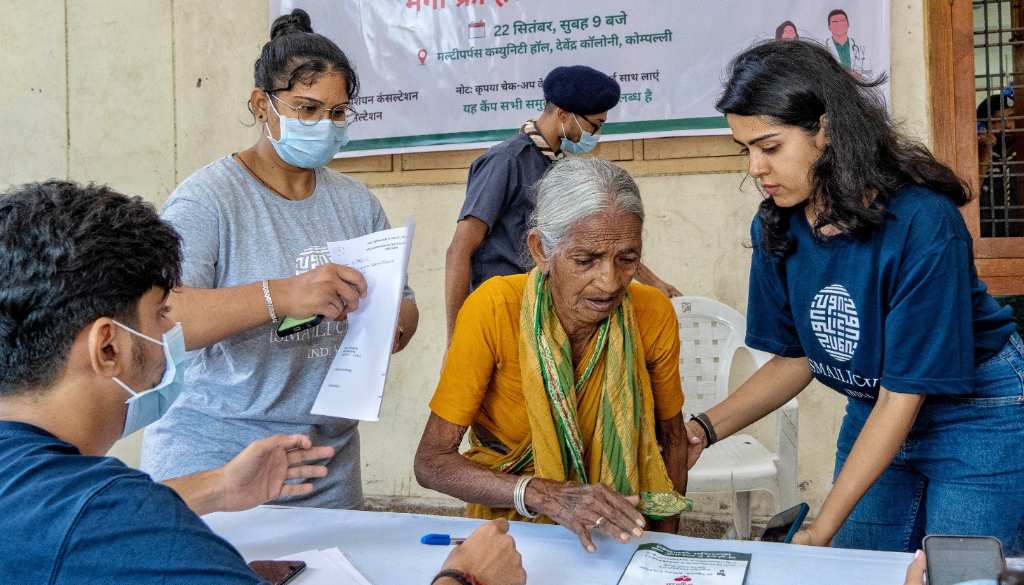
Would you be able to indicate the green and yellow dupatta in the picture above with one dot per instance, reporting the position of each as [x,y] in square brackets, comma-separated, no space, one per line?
[593,423]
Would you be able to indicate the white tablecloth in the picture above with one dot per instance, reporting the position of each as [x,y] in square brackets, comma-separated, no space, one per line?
[386,548]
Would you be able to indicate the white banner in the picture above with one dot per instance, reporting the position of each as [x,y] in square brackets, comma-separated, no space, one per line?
[453,74]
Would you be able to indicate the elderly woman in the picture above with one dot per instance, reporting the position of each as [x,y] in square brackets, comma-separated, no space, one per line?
[567,375]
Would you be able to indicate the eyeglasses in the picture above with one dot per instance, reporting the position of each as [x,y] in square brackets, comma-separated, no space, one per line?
[597,125]
[309,115]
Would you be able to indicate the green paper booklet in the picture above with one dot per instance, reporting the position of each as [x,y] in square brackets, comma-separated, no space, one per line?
[654,564]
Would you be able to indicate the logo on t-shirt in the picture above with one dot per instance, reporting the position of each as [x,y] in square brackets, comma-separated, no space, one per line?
[835,323]
[311,258]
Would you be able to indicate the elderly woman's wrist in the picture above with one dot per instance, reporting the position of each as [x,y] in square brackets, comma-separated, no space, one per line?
[538,496]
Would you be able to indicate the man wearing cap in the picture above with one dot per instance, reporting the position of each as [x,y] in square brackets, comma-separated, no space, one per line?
[493,223]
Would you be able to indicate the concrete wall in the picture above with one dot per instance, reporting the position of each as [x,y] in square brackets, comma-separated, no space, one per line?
[141,93]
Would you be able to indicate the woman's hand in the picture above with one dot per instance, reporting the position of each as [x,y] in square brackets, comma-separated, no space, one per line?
[330,290]
[879,440]
[916,570]
[809,537]
[408,320]
[697,439]
[585,508]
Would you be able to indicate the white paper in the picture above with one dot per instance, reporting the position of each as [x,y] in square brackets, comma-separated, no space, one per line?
[339,559]
[354,385]
[326,567]
[654,563]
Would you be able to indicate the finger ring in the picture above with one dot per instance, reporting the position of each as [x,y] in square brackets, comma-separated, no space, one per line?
[600,521]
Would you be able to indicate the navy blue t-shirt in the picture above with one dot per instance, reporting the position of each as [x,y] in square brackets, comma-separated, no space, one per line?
[71,518]
[500,193]
[904,310]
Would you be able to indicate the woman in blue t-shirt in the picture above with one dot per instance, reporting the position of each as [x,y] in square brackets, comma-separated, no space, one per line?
[863,278]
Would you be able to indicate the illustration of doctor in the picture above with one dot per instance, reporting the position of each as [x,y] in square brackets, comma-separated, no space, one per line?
[852,55]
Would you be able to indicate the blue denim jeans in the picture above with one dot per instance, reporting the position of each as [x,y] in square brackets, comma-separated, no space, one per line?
[960,471]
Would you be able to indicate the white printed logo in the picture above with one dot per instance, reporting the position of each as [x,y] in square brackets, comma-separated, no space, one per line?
[835,323]
[311,258]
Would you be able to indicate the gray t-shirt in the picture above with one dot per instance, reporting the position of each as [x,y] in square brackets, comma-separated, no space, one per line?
[500,193]
[236,231]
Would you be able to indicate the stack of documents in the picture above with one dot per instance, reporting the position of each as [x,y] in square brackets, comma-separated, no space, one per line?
[354,386]
[326,567]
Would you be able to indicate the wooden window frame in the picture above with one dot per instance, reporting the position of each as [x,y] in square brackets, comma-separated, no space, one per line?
[950,51]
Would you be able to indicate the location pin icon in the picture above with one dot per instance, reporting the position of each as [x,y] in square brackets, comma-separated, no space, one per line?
[423,56]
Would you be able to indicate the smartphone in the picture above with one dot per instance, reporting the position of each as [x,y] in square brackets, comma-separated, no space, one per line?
[955,559]
[277,572]
[784,525]
[290,325]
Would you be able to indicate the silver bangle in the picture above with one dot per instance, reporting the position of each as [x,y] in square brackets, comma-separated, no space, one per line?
[269,301]
[519,497]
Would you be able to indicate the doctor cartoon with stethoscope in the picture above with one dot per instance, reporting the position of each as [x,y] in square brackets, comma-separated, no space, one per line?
[847,51]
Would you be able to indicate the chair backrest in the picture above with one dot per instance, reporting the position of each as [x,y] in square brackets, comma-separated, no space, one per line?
[710,333]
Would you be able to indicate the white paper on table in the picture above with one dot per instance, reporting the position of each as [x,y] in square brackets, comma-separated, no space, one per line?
[326,567]
[354,385]
[654,563]
[339,559]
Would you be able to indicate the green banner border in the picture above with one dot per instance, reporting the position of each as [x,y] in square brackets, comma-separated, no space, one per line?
[708,123]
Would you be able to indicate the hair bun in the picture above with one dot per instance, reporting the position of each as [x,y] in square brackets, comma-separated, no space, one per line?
[295,22]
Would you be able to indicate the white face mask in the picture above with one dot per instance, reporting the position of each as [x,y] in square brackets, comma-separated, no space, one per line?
[585,144]
[307,147]
[146,407]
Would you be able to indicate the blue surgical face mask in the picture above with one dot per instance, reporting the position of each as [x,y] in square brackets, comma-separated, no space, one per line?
[586,143]
[307,147]
[148,406]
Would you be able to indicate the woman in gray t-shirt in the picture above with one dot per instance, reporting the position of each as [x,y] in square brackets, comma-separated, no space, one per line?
[254,227]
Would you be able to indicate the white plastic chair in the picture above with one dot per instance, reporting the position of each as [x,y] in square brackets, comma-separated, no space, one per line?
[710,334]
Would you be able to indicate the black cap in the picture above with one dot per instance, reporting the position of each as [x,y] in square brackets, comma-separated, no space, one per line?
[581,90]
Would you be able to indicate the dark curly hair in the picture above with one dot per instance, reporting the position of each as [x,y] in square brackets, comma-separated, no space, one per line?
[296,54]
[866,159]
[69,255]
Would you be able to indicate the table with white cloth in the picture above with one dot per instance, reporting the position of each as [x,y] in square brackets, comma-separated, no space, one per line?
[386,548]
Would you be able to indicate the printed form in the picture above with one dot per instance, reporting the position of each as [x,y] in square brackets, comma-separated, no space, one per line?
[658,564]
[354,386]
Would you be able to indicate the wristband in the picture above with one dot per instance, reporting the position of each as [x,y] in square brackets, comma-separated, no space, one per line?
[709,429]
[463,578]
[269,301]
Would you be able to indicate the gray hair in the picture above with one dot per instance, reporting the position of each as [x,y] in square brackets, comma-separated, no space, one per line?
[577,188]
